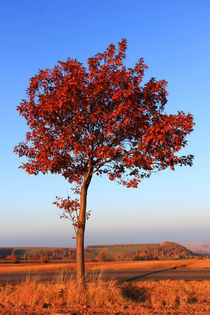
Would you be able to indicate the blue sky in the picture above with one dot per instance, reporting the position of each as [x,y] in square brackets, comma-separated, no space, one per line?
[173,38]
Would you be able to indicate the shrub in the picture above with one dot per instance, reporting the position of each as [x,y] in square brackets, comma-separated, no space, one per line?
[14,259]
[102,257]
[43,258]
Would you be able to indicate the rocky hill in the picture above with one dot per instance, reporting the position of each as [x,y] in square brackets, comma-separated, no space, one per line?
[166,250]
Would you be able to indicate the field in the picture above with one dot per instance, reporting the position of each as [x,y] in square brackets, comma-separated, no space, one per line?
[110,297]
[146,297]
[65,296]
[111,265]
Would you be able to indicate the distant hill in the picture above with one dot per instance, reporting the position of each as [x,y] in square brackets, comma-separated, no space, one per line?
[202,248]
[166,250]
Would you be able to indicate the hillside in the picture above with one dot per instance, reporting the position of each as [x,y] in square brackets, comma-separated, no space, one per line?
[166,250]
[202,248]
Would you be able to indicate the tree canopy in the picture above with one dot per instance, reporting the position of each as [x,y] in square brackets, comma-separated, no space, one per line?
[102,114]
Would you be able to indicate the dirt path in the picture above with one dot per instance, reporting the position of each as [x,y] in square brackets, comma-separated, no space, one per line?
[120,275]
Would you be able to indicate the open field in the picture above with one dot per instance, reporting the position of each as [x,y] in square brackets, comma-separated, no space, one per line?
[62,295]
[154,264]
[112,265]
[67,297]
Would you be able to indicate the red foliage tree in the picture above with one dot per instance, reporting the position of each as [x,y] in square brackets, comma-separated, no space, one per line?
[99,120]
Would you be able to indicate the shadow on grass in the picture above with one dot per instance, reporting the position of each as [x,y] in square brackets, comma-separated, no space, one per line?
[133,293]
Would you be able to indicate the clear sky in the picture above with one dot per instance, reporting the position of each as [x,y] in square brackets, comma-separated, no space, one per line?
[174,39]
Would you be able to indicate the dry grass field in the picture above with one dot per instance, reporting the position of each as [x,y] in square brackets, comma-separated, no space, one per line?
[112,265]
[153,264]
[106,297]
[35,267]
[145,297]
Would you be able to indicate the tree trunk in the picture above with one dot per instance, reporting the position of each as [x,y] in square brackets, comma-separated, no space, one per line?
[81,227]
[80,236]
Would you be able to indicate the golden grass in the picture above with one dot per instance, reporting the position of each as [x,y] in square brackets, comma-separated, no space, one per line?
[112,265]
[151,295]
[4,268]
[32,293]
[153,264]
[174,293]
[199,264]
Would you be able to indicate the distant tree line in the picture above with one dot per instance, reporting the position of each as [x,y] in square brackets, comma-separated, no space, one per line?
[166,250]
[42,254]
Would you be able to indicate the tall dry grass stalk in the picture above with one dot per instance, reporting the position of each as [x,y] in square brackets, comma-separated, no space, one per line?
[33,293]
[171,293]
[156,294]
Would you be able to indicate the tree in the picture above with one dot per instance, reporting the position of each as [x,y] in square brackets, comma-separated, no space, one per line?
[99,120]
[102,256]
[43,258]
